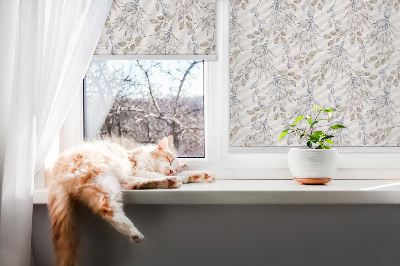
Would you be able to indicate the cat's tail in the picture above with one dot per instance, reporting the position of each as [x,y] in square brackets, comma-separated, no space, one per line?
[62,212]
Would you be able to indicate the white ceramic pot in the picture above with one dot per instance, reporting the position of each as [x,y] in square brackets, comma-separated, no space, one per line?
[310,166]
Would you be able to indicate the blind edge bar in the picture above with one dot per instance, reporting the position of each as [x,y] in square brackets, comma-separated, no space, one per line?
[155,57]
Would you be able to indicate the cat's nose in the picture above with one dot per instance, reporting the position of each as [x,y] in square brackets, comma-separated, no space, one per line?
[171,172]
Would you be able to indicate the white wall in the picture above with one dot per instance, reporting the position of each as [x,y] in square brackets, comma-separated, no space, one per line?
[191,235]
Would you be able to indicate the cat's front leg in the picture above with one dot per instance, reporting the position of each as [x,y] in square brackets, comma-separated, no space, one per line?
[197,177]
[147,174]
[181,167]
[155,183]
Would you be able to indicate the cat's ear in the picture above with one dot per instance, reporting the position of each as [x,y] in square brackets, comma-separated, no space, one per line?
[171,146]
[163,145]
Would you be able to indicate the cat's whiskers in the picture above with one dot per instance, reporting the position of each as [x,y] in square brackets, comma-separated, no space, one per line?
[152,169]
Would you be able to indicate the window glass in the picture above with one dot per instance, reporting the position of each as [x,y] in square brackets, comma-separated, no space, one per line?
[139,102]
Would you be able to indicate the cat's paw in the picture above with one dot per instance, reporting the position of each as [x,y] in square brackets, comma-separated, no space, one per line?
[182,167]
[201,176]
[209,177]
[137,237]
[174,182]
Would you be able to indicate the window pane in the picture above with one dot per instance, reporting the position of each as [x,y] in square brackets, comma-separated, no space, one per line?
[140,102]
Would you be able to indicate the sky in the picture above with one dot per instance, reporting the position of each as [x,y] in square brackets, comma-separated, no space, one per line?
[196,84]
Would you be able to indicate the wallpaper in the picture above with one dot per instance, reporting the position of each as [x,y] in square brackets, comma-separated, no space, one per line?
[159,27]
[287,55]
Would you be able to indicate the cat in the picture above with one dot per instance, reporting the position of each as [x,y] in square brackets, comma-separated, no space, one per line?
[94,173]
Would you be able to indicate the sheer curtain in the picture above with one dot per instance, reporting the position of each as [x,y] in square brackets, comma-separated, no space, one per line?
[54,44]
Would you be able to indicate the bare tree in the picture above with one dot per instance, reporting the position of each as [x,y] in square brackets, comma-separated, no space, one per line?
[142,111]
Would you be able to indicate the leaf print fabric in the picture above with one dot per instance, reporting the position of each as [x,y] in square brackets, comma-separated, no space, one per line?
[159,27]
[287,55]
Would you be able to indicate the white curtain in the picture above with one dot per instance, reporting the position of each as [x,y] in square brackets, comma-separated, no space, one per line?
[55,41]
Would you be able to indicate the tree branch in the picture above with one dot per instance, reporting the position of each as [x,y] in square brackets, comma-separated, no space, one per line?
[162,117]
[182,82]
[146,73]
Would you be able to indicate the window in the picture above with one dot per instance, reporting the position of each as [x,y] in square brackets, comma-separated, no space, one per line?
[141,101]
[287,57]
[228,162]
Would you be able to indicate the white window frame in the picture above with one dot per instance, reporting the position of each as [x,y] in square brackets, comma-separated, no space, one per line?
[246,163]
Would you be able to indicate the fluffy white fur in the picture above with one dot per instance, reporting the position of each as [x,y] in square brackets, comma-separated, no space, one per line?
[94,174]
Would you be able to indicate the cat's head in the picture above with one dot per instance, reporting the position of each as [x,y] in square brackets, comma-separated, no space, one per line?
[164,161]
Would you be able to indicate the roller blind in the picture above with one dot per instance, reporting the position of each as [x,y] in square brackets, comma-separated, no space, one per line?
[150,28]
[286,56]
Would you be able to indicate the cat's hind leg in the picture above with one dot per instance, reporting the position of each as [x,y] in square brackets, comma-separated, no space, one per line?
[103,195]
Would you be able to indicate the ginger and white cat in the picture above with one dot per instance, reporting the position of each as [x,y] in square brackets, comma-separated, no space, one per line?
[94,174]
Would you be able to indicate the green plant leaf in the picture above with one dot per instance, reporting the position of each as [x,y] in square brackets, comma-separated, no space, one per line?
[317,108]
[328,137]
[283,134]
[318,134]
[309,144]
[329,111]
[313,123]
[309,120]
[337,126]
[298,119]
[322,146]
[329,141]
[314,137]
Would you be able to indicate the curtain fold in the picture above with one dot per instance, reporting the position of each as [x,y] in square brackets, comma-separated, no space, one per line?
[160,27]
[8,16]
[55,43]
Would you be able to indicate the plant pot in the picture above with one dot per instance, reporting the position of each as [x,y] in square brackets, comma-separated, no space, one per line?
[312,167]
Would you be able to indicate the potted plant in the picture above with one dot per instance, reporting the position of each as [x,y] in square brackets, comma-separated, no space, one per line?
[316,163]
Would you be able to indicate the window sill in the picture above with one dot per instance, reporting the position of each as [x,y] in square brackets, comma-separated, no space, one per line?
[264,192]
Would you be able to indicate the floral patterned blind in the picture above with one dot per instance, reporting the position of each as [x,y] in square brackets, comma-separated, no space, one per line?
[159,27]
[287,55]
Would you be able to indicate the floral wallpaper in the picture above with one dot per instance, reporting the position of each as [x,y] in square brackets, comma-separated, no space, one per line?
[287,55]
[159,27]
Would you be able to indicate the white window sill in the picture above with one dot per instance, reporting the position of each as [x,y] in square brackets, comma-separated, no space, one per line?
[264,192]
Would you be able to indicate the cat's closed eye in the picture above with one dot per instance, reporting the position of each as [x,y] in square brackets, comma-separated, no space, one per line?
[162,157]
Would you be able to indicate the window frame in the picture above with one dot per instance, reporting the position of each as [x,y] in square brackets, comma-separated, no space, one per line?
[245,163]
[169,58]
